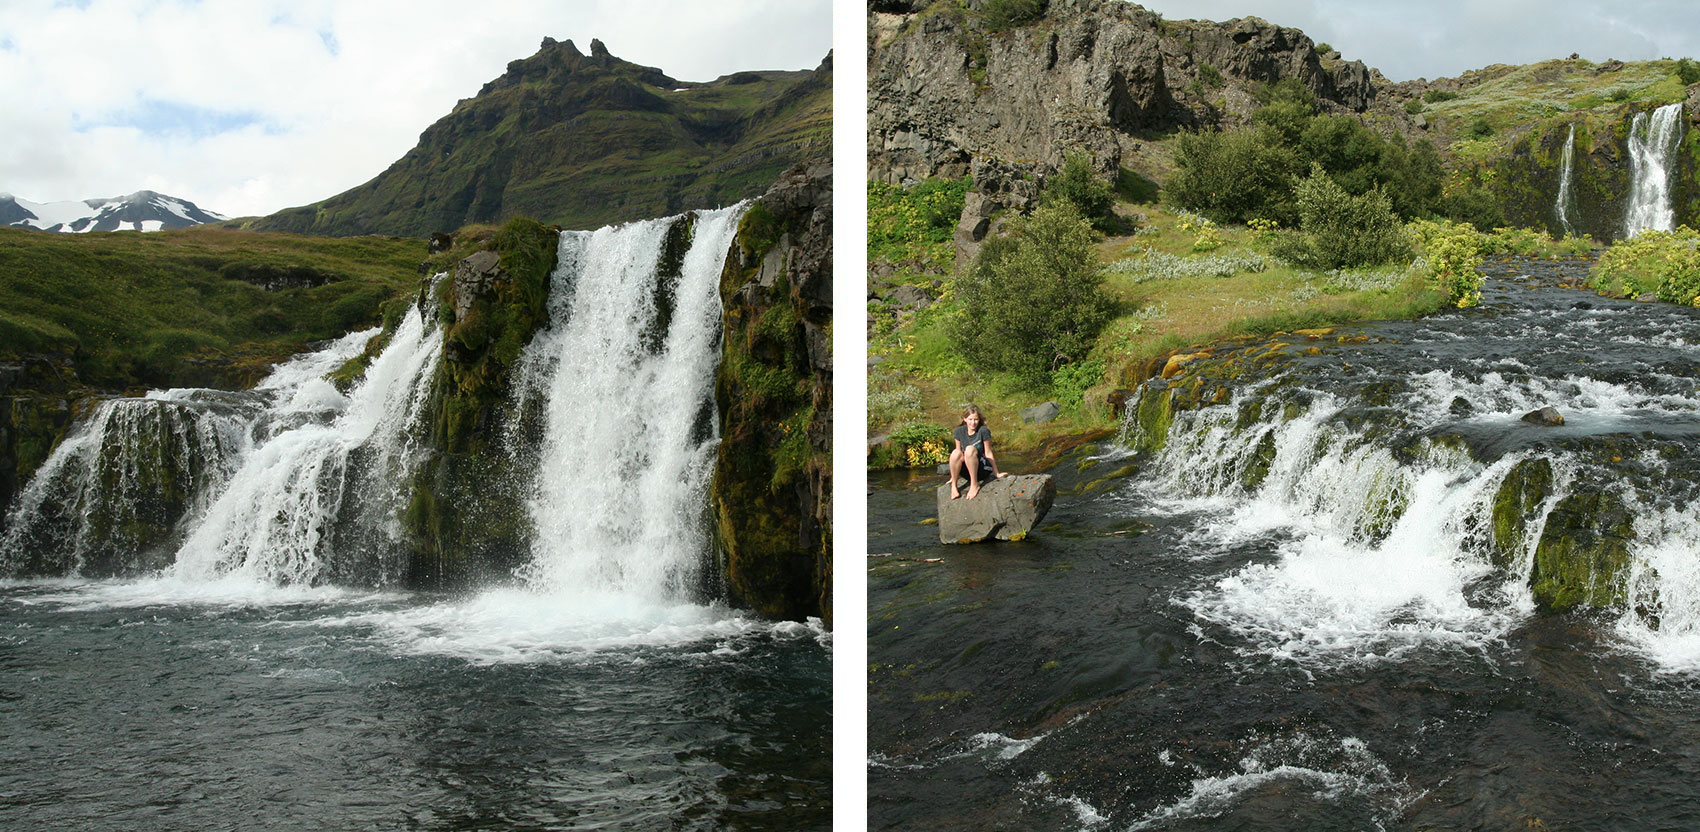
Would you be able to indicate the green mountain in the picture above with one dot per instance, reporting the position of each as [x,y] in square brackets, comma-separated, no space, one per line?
[582,141]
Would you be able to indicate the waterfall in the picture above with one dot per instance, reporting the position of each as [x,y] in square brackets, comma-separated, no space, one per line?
[275,520]
[1394,507]
[627,370]
[113,497]
[1565,202]
[611,415]
[1652,153]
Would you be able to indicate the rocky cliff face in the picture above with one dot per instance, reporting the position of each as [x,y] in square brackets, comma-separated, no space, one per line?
[772,492]
[947,96]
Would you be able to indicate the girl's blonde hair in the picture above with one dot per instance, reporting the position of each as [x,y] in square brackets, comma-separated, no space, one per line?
[971,409]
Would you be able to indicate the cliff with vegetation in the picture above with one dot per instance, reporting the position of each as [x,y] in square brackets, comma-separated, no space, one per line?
[582,141]
[772,492]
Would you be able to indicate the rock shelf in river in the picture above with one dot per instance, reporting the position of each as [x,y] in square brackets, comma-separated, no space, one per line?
[1005,509]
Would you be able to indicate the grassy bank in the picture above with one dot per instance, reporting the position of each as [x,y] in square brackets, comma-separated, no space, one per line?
[1177,282]
[172,307]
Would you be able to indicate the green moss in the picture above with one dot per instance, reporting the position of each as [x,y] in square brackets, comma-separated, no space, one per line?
[1583,553]
[1154,415]
[1516,505]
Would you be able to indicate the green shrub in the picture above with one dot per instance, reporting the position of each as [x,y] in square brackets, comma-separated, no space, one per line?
[1211,76]
[1080,185]
[1339,230]
[1437,96]
[915,223]
[1235,176]
[1070,382]
[915,445]
[1035,301]
[1454,255]
[1665,262]
[1688,72]
[1414,106]
[1479,128]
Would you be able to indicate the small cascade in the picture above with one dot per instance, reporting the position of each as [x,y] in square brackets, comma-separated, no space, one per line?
[1411,508]
[276,520]
[114,497]
[1565,205]
[1653,140]
[626,370]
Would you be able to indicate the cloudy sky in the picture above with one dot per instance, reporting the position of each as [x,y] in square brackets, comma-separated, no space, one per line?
[1444,38]
[249,106]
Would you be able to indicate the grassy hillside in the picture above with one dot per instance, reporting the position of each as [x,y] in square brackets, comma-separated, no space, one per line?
[190,306]
[583,141]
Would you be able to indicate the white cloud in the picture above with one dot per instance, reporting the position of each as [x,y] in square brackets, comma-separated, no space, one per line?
[303,99]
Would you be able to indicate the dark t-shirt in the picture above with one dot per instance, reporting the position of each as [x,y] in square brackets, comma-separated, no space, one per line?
[980,436]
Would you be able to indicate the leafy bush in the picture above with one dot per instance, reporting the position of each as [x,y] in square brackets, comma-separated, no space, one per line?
[1688,72]
[1414,106]
[1211,76]
[1035,301]
[1665,262]
[1248,174]
[918,445]
[1235,176]
[1479,128]
[915,223]
[1338,229]
[1070,381]
[1437,96]
[1078,184]
[1454,256]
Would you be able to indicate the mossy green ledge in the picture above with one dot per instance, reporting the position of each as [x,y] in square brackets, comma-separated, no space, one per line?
[490,305]
[772,490]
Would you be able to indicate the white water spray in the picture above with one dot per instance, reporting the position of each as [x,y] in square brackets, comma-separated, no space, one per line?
[1566,172]
[273,523]
[628,447]
[1652,156]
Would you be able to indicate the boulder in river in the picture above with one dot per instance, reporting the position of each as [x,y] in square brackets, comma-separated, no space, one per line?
[1005,509]
[1547,416]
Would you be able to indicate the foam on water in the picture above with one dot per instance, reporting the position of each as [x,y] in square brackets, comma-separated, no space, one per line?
[1336,774]
[525,626]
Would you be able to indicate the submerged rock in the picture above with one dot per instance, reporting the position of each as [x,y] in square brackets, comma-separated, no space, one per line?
[1005,509]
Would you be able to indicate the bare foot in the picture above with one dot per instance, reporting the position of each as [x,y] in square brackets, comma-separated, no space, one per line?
[973,491]
[955,493]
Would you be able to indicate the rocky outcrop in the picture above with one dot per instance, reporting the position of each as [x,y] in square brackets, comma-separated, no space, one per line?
[947,96]
[1006,508]
[585,140]
[39,399]
[772,490]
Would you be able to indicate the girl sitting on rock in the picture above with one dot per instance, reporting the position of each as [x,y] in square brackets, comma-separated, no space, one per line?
[973,452]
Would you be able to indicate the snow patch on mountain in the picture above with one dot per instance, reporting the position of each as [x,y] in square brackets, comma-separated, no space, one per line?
[140,211]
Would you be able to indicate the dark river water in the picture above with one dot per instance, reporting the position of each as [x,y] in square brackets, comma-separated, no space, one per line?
[1175,651]
[146,706]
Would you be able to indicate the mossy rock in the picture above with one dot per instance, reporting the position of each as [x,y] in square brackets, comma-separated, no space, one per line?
[1516,505]
[1583,554]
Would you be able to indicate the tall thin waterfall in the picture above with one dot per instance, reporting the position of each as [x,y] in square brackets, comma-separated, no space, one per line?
[626,369]
[1566,171]
[1652,155]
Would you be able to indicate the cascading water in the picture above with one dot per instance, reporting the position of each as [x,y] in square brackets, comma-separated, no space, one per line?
[1565,205]
[1341,585]
[1652,153]
[600,685]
